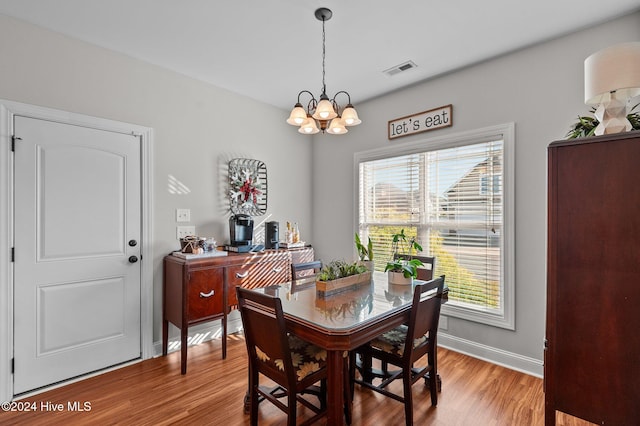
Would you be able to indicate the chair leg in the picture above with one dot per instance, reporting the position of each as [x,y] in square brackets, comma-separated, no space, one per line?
[384,366]
[433,377]
[291,409]
[433,388]
[253,396]
[323,394]
[367,365]
[408,398]
[348,393]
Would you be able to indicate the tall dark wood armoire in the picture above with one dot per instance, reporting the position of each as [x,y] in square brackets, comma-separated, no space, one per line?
[592,346]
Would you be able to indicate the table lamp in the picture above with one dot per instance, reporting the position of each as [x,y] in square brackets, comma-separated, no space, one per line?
[611,79]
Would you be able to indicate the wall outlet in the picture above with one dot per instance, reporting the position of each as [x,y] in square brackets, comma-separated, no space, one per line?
[185,231]
[183,215]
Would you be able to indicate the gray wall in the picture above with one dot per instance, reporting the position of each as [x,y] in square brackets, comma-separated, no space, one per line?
[196,127]
[540,89]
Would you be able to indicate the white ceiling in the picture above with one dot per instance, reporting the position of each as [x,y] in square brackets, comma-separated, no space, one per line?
[270,50]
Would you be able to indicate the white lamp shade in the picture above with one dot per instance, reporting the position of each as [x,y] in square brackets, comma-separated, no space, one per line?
[337,127]
[350,116]
[309,127]
[324,110]
[297,116]
[614,69]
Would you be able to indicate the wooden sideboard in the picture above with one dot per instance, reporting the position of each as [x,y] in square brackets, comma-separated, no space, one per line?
[203,289]
[592,347]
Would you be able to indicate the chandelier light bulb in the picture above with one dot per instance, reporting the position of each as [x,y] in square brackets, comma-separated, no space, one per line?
[337,127]
[350,116]
[297,116]
[309,127]
[324,110]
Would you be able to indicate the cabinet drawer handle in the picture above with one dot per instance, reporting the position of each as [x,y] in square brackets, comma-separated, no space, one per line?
[211,293]
[243,275]
[276,270]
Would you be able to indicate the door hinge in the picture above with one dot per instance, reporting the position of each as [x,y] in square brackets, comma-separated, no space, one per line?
[13,142]
[13,254]
[13,365]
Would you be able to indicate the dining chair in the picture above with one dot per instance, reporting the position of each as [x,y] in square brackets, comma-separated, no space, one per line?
[301,273]
[295,365]
[425,272]
[403,346]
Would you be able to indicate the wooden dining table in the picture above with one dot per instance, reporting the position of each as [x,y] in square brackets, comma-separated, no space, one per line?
[342,322]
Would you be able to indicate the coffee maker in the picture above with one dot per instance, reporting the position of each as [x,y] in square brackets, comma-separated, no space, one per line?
[240,233]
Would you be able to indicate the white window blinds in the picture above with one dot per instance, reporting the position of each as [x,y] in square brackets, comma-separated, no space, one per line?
[452,199]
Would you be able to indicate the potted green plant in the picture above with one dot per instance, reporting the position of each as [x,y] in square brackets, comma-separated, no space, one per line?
[365,253]
[339,275]
[402,268]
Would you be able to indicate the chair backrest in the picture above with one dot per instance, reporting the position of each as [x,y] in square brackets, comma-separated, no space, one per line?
[306,269]
[425,272]
[425,315]
[266,335]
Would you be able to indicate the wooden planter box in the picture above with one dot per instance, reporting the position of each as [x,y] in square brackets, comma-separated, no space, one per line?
[342,284]
[337,304]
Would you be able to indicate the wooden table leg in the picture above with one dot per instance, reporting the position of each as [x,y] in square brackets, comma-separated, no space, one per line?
[224,336]
[183,350]
[335,381]
[165,337]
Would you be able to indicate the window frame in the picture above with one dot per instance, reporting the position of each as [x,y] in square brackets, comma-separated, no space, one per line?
[506,132]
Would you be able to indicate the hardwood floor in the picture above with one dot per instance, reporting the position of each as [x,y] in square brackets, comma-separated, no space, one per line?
[154,392]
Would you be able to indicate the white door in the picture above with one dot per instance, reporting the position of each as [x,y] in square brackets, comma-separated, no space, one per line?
[77,249]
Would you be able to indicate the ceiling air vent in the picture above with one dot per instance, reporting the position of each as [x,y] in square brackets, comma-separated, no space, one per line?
[400,68]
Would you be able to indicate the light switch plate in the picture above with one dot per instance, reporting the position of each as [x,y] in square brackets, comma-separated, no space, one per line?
[183,215]
[185,231]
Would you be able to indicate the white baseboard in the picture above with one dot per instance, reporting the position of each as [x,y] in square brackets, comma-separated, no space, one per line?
[513,361]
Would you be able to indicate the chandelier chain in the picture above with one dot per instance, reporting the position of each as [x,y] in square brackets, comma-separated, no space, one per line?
[324,86]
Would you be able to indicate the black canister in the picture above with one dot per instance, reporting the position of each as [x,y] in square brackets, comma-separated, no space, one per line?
[271,235]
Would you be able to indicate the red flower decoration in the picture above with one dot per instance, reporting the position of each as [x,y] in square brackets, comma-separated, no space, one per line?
[250,191]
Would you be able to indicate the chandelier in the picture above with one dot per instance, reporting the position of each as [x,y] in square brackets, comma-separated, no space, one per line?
[324,114]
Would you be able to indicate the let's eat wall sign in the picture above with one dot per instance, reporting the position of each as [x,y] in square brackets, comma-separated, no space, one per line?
[436,118]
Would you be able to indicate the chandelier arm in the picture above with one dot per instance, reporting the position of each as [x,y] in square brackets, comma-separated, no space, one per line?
[311,106]
[346,93]
[305,91]
[335,106]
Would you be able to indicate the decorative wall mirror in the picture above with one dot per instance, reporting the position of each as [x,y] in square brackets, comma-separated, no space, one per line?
[247,186]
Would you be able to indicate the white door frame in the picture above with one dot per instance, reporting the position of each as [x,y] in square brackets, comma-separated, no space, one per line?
[7,110]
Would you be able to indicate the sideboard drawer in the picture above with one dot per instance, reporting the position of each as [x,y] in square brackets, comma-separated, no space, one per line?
[205,293]
[255,275]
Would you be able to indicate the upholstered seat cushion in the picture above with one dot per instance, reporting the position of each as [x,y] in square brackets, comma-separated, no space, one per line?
[393,341]
[306,357]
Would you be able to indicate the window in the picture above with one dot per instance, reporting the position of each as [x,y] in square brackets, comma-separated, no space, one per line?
[456,195]
[485,178]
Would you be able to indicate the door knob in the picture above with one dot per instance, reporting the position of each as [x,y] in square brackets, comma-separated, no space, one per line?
[133,259]
[133,243]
